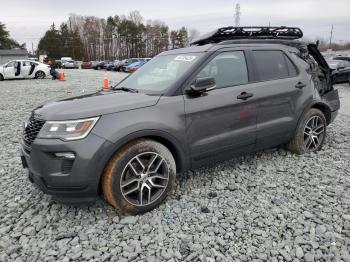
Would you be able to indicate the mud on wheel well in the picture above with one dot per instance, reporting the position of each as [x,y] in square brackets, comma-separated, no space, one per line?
[172,148]
[325,110]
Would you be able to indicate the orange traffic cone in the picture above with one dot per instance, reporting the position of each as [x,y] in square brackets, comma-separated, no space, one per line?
[62,77]
[105,82]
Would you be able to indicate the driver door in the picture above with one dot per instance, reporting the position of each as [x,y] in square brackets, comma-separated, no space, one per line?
[220,122]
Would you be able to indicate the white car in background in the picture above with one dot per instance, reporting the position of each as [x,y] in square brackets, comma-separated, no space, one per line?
[70,64]
[19,69]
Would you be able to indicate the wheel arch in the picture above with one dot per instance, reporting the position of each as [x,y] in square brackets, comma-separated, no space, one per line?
[325,109]
[170,142]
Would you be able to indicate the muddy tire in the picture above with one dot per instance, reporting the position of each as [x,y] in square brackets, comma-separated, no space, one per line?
[310,134]
[139,177]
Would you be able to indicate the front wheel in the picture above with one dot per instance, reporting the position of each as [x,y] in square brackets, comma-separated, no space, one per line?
[1,77]
[310,134]
[139,176]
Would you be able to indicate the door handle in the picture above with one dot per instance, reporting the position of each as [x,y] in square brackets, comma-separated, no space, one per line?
[300,85]
[244,95]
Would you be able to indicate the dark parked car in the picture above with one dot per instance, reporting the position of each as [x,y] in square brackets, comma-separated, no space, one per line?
[341,68]
[99,65]
[344,58]
[86,65]
[236,90]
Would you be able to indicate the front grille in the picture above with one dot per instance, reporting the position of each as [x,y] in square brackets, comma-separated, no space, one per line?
[32,129]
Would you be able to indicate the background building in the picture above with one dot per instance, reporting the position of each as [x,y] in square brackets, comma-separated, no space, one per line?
[13,54]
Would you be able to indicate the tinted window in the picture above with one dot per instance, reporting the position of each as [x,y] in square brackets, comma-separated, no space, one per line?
[292,70]
[228,69]
[161,72]
[270,65]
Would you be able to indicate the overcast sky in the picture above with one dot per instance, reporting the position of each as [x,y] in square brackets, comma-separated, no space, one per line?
[28,20]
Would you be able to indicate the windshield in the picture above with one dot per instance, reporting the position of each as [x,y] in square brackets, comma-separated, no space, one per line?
[160,73]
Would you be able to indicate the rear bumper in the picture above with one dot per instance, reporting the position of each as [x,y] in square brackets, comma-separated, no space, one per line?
[63,177]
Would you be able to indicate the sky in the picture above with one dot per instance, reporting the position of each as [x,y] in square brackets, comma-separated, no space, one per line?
[27,20]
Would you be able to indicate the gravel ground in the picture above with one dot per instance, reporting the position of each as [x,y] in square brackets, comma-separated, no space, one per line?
[269,206]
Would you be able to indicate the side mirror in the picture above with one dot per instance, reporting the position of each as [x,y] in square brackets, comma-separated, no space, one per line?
[204,84]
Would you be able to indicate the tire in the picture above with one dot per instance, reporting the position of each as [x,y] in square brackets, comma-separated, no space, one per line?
[40,75]
[310,134]
[1,77]
[123,182]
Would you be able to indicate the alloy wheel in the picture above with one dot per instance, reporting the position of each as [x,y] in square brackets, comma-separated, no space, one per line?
[40,75]
[144,179]
[314,132]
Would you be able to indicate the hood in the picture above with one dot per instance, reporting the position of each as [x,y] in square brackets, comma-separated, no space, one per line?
[90,105]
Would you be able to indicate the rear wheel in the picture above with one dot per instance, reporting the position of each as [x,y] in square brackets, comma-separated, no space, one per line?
[40,75]
[1,77]
[139,177]
[310,134]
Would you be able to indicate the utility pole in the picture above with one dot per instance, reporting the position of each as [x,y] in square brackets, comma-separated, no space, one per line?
[237,14]
[330,38]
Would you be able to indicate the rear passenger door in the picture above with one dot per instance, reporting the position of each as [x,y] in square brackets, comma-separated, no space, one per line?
[25,69]
[281,90]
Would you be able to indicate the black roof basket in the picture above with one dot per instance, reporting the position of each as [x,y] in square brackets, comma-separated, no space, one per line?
[253,32]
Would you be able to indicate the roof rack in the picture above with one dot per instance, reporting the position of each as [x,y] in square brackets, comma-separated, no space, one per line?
[253,32]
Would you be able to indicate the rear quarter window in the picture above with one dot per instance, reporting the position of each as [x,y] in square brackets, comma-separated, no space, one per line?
[292,69]
[273,64]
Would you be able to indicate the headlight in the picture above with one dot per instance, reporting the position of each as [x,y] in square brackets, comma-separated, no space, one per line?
[68,130]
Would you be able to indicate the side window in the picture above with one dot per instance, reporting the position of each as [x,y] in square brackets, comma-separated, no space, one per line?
[270,65]
[26,63]
[292,70]
[11,64]
[228,69]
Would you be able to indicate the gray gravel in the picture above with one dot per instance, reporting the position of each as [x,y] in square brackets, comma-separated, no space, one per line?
[268,206]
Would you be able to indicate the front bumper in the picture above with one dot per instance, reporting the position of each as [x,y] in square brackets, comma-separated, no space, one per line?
[63,177]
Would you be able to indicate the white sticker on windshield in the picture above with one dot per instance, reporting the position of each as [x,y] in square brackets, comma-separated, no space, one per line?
[186,58]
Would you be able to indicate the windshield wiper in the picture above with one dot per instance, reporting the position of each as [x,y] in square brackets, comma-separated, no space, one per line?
[126,89]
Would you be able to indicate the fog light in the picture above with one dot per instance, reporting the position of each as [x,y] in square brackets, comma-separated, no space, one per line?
[66,155]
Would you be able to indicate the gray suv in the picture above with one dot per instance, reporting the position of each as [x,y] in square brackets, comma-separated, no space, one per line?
[234,91]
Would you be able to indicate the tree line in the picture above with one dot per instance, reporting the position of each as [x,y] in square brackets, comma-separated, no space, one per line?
[119,37]
[6,42]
